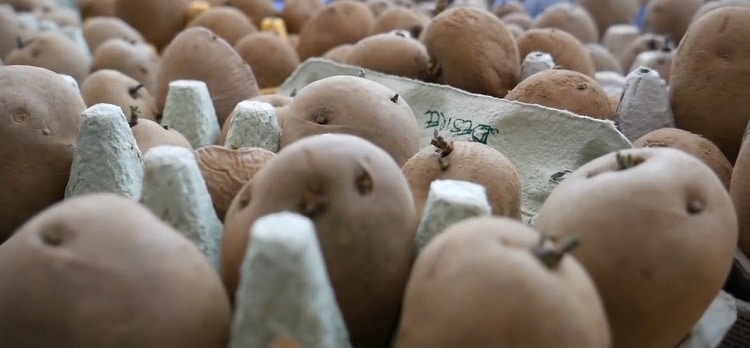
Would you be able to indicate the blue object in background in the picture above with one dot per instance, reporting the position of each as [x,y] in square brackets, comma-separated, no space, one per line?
[640,20]
[535,7]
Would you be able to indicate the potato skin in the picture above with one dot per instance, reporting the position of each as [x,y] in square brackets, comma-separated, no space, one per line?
[567,51]
[40,116]
[739,189]
[565,90]
[610,12]
[708,75]
[226,171]
[460,273]
[339,23]
[272,64]
[391,54]
[158,21]
[364,218]
[469,161]
[113,87]
[121,276]
[693,144]
[572,18]
[356,106]
[473,50]
[670,17]
[227,22]
[198,54]
[97,30]
[137,60]
[297,12]
[54,51]
[645,232]
[397,17]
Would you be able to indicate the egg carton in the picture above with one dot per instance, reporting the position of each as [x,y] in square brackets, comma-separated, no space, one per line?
[739,284]
[739,335]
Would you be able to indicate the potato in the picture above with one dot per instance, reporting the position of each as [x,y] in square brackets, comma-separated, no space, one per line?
[522,20]
[228,23]
[97,30]
[714,4]
[508,7]
[337,24]
[271,59]
[41,116]
[391,54]
[467,161]
[364,218]
[113,87]
[610,12]
[256,10]
[55,51]
[708,75]
[567,51]
[198,54]
[338,54]
[297,12]
[739,189]
[110,261]
[548,299]
[158,21]
[658,234]
[356,106]
[565,90]
[603,59]
[693,144]
[378,6]
[226,171]
[96,8]
[670,17]
[472,50]
[570,17]
[137,60]
[395,18]
[10,30]
[644,43]
[276,100]
[149,134]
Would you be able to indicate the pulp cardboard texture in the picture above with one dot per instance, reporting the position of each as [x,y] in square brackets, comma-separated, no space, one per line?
[545,144]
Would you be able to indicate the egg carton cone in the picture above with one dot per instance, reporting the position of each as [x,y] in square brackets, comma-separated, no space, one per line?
[711,329]
[175,191]
[190,111]
[285,297]
[448,202]
[254,124]
[644,106]
[739,285]
[535,62]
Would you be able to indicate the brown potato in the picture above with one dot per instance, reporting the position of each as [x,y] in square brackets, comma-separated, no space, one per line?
[603,59]
[567,51]
[670,17]
[271,59]
[356,106]
[650,220]
[565,90]
[364,217]
[391,54]
[10,30]
[150,134]
[113,87]
[97,30]
[739,189]
[472,50]
[508,7]
[693,144]
[139,61]
[198,54]
[227,170]
[644,43]
[41,117]
[338,54]
[228,23]
[570,17]
[467,161]
[707,76]
[256,10]
[461,272]
[607,13]
[523,20]
[158,21]
[297,12]
[338,23]
[110,260]
[396,17]
[55,51]
[714,4]
[96,8]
